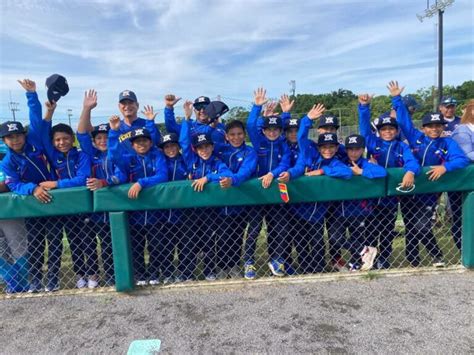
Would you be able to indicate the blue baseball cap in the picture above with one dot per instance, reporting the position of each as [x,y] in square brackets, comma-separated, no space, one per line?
[216,109]
[328,121]
[201,102]
[410,101]
[11,127]
[272,121]
[168,138]
[292,123]
[57,86]
[140,133]
[327,138]
[127,95]
[355,141]
[432,117]
[102,128]
[448,101]
[385,120]
[200,139]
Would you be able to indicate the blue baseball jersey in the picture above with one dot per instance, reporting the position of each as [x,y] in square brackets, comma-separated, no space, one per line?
[126,132]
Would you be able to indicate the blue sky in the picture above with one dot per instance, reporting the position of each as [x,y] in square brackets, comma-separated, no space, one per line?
[227,48]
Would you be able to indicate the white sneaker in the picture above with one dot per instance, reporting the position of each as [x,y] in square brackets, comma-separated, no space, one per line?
[368,256]
[141,283]
[91,283]
[81,283]
[154,282]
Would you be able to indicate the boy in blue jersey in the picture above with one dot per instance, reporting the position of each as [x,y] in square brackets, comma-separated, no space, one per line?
[145,167]
[72,168]
[171,234]
[315,161]
[351,215]
[25,166]
[93,142]
[202,124]
[442,154]
[242,161]
[273,160]
[204,167]
[389,152]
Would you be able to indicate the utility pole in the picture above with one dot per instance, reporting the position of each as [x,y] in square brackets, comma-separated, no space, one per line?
[69,115]
[292,87]
[437,8]
[13,106]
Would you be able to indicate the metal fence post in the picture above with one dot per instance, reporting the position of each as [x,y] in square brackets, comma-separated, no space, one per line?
[122,251]
[468,230]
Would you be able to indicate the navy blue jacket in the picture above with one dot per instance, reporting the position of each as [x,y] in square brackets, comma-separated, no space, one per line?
[451,126]
[273,156]
[126,132]
[217,134]
[177,171]
[24,171]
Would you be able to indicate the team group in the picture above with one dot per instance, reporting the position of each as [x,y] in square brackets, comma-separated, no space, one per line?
[203,150]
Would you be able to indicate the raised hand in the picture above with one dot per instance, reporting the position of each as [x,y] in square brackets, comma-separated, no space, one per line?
[316,111]
[28,85]
[269,109]
[285,103]
[394,89]
[188,109]
[365,99]
[148,112]
[114,122]
[260,96]
[90,99]
[171,100]
[50,106]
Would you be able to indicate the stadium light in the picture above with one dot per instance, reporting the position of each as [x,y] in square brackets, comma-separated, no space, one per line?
[438,7]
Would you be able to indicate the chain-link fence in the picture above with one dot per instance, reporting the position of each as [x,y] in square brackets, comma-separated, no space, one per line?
[209,243]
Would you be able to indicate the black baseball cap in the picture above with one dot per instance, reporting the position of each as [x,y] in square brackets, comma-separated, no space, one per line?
[328,138]
[168,138]
[385,120]
[448,101]
[328,121]
[355,141]
[292,123]
[11,127]
[102,128]
[201,102]
[140,133]
[57,86]
[272,121]
[216,109]
[202,138]
[432,117]
[127,95]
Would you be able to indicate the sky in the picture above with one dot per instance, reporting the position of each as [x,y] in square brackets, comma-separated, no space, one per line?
[224,48]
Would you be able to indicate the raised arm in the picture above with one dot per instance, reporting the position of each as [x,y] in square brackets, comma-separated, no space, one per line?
[185,144]
[306,124]
[252,124]
[170,120]
[35,112]
[89,103]
[150,124]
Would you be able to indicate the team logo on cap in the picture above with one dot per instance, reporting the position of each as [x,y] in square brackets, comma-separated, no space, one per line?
[102,127]
[327,137]
[126,93]
[386,120]
[166,138]
[329,119]
[272,120]
[139,132]
[201,138]
[293,122]
[201,99]
[435,117]
[12,127]
[352,140]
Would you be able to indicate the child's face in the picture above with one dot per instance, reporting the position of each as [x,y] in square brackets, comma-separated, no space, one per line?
[327,129]
[205,151]
[63,141]
[171,150]
[15,141]
[292,135]
[433,130]
[388,133]
[327,151]
[100,141]
[354,153]
[272,133]
[235,136]
[141,145]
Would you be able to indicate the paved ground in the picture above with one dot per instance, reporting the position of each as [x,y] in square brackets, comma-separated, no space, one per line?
[428,313]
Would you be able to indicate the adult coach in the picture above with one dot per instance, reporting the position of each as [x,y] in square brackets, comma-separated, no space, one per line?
[447,107]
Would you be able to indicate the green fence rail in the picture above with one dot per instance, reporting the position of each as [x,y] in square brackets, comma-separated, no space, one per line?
[180,194]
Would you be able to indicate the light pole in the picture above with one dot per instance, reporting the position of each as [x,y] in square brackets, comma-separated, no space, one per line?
[438,7]
[69,115]
[292,87]
[13,106]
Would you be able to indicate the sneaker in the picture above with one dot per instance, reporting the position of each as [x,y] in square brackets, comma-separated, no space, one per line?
[211,277]
[92,282]
[52,288]
[277,267]
[438,262]
[168,280]
[81,283]
[141,283]
[354,267]
[339,264]
[368,255]
[35,287]
[249,271]
[154,282]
